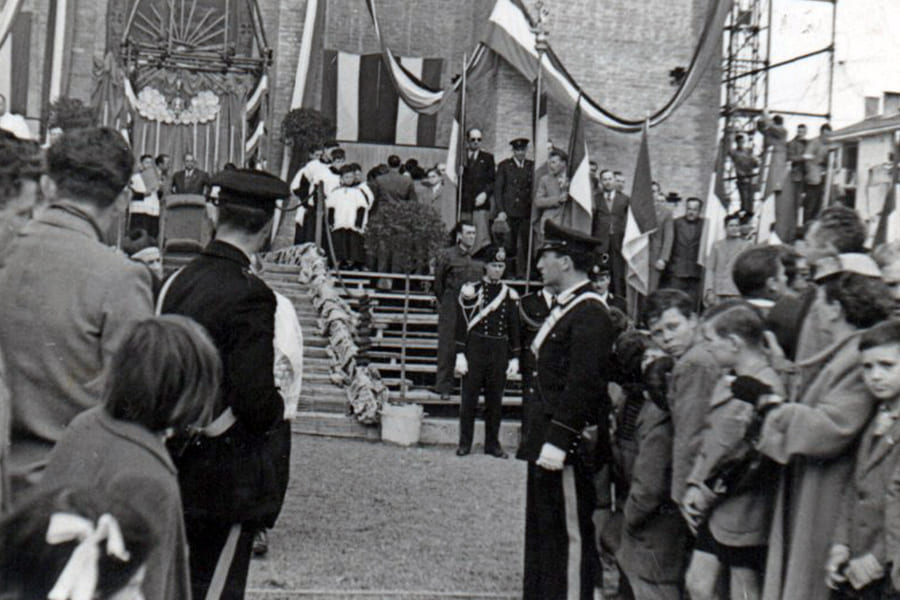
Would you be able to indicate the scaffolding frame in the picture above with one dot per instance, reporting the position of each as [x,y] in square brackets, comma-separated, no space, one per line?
[747,43]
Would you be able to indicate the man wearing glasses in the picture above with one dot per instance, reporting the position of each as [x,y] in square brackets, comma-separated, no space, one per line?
[477,188]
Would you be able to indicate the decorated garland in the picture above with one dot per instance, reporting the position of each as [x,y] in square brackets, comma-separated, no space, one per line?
[366,393]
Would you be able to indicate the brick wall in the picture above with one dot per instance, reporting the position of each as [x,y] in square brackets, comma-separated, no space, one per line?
[620,54]
[622,57]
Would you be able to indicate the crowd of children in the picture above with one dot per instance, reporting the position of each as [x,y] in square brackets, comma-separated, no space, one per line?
[765,464]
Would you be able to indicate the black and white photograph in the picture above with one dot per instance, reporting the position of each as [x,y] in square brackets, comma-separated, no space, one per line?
[449,299]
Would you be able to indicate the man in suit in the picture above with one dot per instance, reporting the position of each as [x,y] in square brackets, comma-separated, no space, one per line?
[610,214]
[190,180]
[392,186]
[513,189]
[571,351]
[684,272]
[233,476]
[68,299]
[477,187]
[552,193]
[660,240]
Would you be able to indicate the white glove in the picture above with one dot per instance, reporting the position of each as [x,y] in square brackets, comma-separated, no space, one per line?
[864,570]
[513,367]
[462,365]
[480,199]
[551,458]
[838,557]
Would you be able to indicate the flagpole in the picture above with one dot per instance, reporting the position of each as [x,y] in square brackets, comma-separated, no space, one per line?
[541,46]
[461,140]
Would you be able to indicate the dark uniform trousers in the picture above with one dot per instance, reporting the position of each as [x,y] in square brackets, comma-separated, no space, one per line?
[560,552]
[213,543]
[488,358]
[566,392]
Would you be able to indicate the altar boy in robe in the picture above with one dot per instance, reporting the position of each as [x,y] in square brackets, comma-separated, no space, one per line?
[348,208]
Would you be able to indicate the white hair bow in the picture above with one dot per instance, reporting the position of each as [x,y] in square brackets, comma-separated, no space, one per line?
[78,579]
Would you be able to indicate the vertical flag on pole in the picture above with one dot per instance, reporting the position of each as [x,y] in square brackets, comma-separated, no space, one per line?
[455,155]
[717,203]
[579,209]
[889,221]
[541,151]
[640,223]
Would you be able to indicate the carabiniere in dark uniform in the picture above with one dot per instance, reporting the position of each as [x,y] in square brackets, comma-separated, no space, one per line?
[571,351]
[233,477]
[487,334]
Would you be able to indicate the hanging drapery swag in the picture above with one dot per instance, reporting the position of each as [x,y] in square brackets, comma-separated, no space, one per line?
[510,35]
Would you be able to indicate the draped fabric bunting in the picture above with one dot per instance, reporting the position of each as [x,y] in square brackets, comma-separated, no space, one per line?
[233,136]
[509,34]
[358,96]
[421,97]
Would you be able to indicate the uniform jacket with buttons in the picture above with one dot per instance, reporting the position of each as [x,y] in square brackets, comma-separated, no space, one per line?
[571,374]
[218,290]
[500,323]
[513,188]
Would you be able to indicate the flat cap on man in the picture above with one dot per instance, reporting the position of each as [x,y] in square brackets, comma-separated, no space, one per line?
[567,241]
[255,189]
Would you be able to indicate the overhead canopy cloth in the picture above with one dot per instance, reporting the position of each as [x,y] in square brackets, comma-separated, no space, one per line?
[510,33]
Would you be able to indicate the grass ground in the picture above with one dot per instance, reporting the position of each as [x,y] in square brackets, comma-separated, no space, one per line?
[367,520]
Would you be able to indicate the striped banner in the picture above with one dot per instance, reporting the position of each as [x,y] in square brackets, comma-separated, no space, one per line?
[358,94]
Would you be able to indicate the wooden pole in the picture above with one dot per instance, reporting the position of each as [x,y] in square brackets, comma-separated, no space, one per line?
[406,288]
[460,168]
[529,258]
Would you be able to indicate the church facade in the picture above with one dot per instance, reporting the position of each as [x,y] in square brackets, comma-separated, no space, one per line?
[622,55]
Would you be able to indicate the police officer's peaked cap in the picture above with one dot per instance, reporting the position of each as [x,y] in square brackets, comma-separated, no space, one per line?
[567,241]
[246,187]
[519,143]
[491,253]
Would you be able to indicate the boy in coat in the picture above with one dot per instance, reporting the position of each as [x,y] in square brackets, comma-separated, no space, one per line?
[860,558]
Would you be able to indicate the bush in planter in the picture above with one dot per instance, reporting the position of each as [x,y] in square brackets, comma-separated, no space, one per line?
[411,233]
[302,129]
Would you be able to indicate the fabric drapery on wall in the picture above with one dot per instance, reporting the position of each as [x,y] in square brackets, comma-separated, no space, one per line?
[213,144]
[510,34]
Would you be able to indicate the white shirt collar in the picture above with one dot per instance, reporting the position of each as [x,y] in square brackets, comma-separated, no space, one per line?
[548,296]
[567,294]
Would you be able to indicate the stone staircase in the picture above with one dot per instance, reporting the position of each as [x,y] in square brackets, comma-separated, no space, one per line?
[323,404]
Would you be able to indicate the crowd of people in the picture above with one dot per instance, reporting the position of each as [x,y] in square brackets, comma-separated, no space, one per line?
[742,450]
[734,438]
[144,441]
